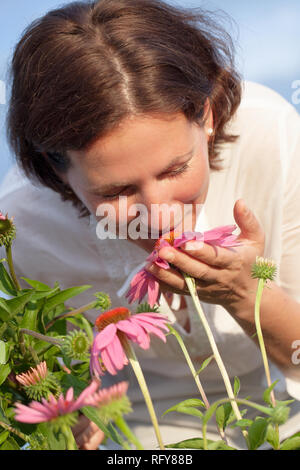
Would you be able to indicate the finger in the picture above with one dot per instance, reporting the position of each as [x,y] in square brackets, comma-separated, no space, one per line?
[168,277]
[87,434]
[249,225]
[215,256]
[94,441]
[82,424]
[188,264]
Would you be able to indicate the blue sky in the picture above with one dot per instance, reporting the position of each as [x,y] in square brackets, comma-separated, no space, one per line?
[267,32]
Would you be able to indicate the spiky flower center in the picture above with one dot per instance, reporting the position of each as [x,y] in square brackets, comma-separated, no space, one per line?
[112,316]
[7,231]
[76,345]
[264,269]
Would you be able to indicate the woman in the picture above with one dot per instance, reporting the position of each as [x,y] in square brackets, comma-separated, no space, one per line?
[138,99]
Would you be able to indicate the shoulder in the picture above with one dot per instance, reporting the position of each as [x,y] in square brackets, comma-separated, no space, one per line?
[255,95]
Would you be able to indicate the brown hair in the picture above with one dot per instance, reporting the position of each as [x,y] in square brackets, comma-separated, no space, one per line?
[81,69]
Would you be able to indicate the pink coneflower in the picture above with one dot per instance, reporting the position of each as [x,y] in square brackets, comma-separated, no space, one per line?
[116,326]
[145,283]
[53,408]
[34,375]
[38,382]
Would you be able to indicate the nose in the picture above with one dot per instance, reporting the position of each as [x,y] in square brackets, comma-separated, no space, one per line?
[158,209]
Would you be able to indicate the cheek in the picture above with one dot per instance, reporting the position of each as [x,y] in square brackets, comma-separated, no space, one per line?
[194,187]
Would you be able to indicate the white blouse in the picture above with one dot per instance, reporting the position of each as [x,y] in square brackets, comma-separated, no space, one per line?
[263,168]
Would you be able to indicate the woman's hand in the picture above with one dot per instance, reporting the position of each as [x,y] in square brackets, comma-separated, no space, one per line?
[87,434]
[223,275]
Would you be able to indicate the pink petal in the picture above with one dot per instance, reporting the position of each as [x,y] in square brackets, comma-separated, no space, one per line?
[153,329]
[134,332]
[105,337]
[153,292]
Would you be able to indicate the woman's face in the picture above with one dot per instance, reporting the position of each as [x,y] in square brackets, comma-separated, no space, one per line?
[150,160]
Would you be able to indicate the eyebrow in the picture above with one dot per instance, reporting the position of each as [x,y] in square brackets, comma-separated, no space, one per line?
[174,161]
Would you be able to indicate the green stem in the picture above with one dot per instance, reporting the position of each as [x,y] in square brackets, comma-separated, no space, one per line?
[142,383]
[71,443]
[124,428]
[194,374]
[71,313]
[260,288]
[15,431]
[192,289]
[48,339]
[11,268]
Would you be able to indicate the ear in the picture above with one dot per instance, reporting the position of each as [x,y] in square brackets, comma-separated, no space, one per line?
[208,118]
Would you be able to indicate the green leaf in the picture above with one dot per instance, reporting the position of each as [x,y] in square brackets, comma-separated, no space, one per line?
[56,441]
[63,296]
[267,393]
[236,386]
[29,319]
[3,436]
[243,423]
[272,436]
[17,304]
[223,413]
[205,364]
[189,407]
[10,444]
[292,443]
[109,431]
[257,433]
[4,371]
[197,443]
[37,285]
[6,283]
[3,357]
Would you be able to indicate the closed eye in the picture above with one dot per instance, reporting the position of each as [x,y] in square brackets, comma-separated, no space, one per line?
[129,189]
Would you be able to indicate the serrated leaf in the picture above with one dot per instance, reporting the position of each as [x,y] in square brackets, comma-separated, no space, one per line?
[267,393]
[293,443]
[204,364]
[257,433]
[6,283]
[63,296]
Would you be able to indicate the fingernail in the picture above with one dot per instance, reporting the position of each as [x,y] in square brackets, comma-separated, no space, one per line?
[193,246]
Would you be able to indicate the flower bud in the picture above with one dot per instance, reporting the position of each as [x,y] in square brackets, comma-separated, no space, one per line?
[264,269]
[103,301]
[7,231]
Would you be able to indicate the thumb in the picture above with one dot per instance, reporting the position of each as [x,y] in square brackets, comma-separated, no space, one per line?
[247,222]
